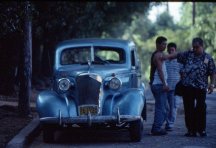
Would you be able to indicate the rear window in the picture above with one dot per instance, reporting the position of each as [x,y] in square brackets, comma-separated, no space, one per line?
[81,55]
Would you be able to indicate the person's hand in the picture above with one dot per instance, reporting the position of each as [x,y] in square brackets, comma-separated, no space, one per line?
[210,89]
[165,88]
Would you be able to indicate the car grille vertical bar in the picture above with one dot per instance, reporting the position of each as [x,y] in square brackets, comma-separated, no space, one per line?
[88,89]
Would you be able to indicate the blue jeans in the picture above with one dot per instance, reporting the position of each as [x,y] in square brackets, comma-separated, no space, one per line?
[172,106]
[160,106]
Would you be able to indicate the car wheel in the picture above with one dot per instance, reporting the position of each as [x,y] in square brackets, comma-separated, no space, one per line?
[48,134]
[136,130]
[144,112]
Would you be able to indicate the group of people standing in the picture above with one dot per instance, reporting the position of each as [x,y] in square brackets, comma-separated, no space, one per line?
[193,68]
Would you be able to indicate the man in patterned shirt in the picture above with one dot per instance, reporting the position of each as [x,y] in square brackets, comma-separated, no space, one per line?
[173,69]
[198,66]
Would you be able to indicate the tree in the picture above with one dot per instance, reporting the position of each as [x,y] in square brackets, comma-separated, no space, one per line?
[11,17]
[193,13]
[204,26]
[164,21]
[26,65]
[59,20]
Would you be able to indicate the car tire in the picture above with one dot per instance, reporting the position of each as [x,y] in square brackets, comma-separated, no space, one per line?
[144,112]
[136,130]
[48,134]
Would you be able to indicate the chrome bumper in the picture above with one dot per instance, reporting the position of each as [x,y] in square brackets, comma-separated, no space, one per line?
[89,120]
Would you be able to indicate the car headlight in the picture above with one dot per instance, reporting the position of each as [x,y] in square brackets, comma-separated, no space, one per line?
[64,84]
[114,83]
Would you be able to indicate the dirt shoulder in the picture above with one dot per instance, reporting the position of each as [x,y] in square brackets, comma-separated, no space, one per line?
[10,120]
[11,123]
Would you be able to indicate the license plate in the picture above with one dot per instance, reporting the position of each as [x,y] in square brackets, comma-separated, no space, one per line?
[85,109]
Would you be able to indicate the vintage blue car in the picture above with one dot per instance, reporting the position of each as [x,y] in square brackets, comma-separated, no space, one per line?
[96,83]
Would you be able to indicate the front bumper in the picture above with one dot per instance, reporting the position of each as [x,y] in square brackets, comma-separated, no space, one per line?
[89,120]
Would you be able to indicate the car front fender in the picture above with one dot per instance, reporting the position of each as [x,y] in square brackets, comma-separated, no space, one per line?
[131,102]
[51,104]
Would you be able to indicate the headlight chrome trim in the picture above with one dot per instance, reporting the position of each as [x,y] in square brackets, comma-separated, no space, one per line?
[64,84]
[114,83]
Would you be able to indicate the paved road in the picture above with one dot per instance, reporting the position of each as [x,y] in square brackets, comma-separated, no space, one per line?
[174,139]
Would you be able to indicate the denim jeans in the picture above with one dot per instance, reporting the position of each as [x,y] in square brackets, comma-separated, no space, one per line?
[160,106]
[172,106]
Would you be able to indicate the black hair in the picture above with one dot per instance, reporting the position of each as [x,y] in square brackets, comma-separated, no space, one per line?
[197,40]
[171,44]
[161,39]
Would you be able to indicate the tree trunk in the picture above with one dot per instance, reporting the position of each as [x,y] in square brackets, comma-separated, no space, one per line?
[167,7]
[194,13]
[26,66]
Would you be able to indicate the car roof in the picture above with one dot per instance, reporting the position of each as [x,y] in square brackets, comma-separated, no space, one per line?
[97,41]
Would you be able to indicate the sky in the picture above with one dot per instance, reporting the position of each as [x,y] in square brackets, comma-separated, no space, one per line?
[174,9]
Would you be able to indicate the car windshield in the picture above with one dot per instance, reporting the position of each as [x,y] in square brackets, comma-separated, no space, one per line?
[102,55]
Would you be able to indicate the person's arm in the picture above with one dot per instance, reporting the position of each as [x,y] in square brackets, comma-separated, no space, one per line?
[170,56]
[159,61]
[211,86]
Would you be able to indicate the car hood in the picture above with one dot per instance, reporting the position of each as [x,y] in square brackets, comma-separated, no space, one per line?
[103,71]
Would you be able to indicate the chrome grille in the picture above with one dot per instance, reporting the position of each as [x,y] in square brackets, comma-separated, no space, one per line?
[88,89]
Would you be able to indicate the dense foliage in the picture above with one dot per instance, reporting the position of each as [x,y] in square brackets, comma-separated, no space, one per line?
[54,21]
[181,32]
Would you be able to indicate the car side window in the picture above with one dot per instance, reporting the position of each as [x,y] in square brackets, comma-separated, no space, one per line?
[111,54]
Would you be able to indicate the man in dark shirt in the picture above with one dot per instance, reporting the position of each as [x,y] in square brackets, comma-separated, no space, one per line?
[197,67]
